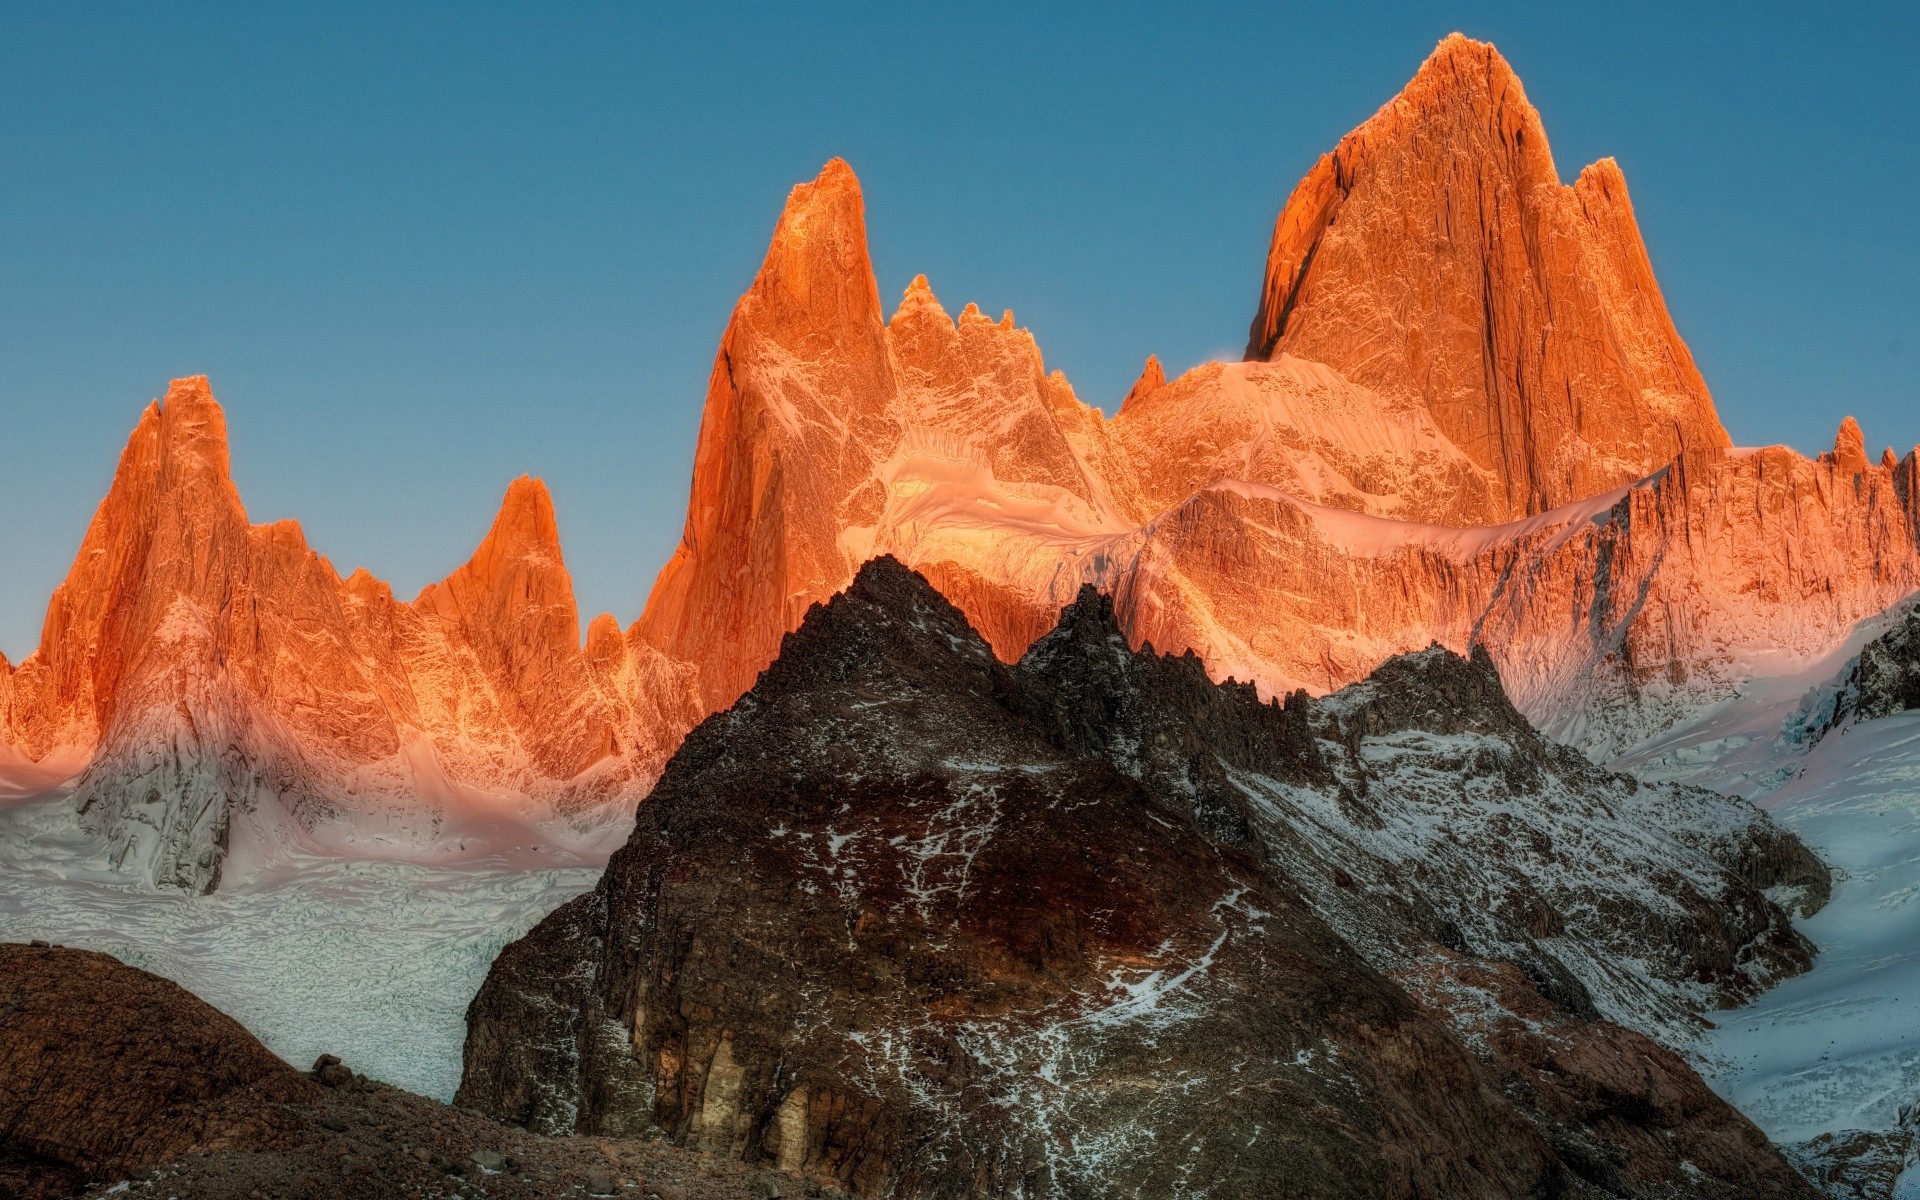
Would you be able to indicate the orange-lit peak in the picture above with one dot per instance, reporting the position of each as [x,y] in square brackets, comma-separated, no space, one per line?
[526,522]
[1152,378]
[1888,459]
[817,275]
[828,208]
[189,389]
[1850,447]
[919,302]
[1459,64]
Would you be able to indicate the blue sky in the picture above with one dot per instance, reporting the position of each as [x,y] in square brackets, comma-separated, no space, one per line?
[424,249]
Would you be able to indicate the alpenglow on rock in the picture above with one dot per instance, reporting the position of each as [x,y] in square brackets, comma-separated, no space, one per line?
[1294,520]
[929,925]
[1435,256]
[214,676]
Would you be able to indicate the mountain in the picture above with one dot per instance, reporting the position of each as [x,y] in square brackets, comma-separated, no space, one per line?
[1435,256]
[1518,454]
[930,925]
[1291,524]
[215,676]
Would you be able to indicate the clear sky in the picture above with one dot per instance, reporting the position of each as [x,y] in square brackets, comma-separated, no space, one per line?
[423,249]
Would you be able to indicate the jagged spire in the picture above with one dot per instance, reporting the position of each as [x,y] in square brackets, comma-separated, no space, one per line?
[1849,447]
[1152,378]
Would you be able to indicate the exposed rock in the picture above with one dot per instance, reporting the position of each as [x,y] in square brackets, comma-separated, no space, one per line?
[1849,448]
[1293,521]
[1435,256]
[1883,680]
[1886,680]
[1292,524]
[933,925]
[1152,378]
[819,417]
[117,1083]
[109,1068]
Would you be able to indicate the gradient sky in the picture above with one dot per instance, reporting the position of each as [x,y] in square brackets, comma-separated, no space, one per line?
[423,249]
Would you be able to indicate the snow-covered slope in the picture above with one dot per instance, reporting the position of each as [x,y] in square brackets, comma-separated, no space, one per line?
[371,960]
[1836,1050]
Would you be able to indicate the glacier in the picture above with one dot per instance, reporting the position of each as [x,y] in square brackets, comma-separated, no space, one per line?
[373,960]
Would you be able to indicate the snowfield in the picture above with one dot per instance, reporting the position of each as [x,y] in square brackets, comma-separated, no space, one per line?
[374,961]
[1837,1048]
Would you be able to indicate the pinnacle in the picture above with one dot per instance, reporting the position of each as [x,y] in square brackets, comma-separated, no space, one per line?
[817,270]
[526,522]
[1152,378]
[1850,446]
[835,181]
[190,387]
[837,171]
[1460,60]
[919,298]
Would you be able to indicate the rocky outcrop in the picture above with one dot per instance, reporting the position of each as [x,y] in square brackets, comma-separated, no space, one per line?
[109,1068]
[1886,680]
[1882,680]
[1435,257]
[933,925]
[120,1083]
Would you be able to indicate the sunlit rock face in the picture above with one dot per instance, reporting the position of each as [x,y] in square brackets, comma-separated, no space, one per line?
[1290,524]
[211,673]
[829,428]
[1435,257]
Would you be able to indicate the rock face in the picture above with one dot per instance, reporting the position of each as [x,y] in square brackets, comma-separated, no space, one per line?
[1092,925]
[109,1068]
[214,673]
[1887,677]
[1434,256]
[1297,519]
[1883,680]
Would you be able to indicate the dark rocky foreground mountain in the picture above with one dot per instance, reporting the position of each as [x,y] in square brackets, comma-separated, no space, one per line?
[113,1081]
[919,923]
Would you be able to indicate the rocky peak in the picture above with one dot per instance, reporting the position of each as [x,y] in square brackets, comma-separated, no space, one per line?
[889,627]
[1849,452]
[816,283]
[909,919]
[1152,378]
[517,572]
[1538,340]
[1434,690]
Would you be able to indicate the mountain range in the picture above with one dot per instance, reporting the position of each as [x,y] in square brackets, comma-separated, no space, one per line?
[1465,418]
